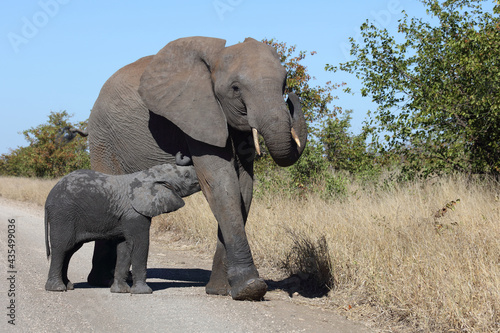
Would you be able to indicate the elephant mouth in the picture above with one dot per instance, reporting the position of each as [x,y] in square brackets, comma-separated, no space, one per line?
[255,134]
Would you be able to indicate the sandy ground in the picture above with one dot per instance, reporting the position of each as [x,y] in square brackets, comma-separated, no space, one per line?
[178,304]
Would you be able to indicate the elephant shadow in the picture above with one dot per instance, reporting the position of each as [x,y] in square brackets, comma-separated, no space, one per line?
[196,277]
[304,286]
[178,277]
[175,278]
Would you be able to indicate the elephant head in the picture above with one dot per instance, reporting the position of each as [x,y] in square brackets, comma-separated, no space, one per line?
[160,189]
[203,87]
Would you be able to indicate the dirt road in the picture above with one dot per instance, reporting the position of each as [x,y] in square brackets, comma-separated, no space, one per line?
[178,303]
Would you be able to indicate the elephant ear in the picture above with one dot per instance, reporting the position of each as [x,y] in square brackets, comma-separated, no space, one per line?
[153,198]
[177,85]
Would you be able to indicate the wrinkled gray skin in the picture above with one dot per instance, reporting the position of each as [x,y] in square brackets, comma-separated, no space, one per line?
[87,205]
[203,99]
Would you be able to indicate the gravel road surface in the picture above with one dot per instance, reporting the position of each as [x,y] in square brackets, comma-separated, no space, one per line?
[178,303]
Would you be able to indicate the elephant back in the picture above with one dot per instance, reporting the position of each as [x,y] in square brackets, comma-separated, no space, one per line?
[124,136]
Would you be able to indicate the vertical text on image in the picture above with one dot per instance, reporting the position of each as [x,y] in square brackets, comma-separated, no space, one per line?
[11,271]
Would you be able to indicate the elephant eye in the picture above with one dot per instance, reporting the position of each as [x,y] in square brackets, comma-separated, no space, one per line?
[236,90]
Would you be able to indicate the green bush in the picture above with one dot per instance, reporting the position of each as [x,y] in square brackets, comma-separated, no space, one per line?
[310,168]
[50,154]
[437,86]
[336,187]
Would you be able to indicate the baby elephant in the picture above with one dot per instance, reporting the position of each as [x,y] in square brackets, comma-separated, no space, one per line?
[86,205]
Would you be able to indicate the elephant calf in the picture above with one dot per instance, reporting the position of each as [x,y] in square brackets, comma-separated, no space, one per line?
[87,205]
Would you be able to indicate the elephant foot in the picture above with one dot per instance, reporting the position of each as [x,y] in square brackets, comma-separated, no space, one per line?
[246,285]
[214,288]
[100,280]
[141,288]
[251,290]
[120,287]
[218,284]
[55,285]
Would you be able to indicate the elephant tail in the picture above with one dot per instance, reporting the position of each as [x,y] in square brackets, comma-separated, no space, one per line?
[47,247]
[182,160]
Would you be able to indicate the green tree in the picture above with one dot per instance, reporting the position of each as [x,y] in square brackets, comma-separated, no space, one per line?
[49,153]
[345,150]
[438,91]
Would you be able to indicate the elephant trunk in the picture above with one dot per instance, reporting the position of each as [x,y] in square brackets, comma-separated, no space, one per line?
[285,137]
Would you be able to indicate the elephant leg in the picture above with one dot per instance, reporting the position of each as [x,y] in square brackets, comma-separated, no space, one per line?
[103,264]
[67,258]
[220,183]
[139,235]
[55,279]
[123,261]
[218,283]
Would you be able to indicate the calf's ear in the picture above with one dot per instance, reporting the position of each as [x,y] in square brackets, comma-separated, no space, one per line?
[153,198]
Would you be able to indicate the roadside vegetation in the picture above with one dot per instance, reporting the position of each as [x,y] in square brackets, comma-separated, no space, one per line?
[419,256]
[397,224]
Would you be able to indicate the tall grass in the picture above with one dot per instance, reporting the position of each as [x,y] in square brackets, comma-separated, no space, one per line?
[411,257]
[26,189]
[391,255]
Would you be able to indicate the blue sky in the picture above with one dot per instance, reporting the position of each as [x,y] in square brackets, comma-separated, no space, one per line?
[56,54]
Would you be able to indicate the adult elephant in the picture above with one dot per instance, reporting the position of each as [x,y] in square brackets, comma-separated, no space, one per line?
[209,102]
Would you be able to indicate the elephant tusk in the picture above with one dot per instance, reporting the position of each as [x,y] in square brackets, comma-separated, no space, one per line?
[255,134]
[295,137]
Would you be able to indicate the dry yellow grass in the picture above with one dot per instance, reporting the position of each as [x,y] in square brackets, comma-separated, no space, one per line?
[393,259]
[26,189]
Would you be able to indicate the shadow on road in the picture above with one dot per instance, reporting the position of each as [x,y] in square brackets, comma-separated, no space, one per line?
[178,277]
[196,277]
[175,278]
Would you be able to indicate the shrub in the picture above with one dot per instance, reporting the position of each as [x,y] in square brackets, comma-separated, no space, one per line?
[310,260]
[51,153]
